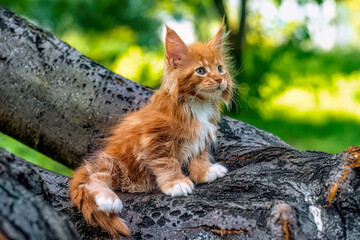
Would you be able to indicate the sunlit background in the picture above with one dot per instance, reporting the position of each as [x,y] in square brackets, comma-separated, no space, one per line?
[297,62]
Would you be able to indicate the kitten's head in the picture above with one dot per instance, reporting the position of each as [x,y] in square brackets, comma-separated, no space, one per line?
[197,71]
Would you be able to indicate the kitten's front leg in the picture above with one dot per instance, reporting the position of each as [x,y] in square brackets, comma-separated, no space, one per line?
[202,170]
[169,177]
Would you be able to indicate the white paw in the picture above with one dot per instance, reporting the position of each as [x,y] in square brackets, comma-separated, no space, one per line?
[215,171]
[108,204]
[180,189]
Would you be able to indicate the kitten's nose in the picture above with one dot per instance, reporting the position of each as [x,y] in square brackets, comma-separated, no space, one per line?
[218,80]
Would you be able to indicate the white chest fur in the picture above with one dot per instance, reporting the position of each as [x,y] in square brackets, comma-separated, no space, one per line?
[206,132]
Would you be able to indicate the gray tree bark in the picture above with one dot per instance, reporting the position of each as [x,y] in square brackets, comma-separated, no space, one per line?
[59,102]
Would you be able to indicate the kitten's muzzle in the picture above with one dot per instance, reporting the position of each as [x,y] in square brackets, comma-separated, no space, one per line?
[218,80]
[223,85]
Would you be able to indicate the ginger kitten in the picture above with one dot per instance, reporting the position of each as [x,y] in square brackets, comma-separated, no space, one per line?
[148,148]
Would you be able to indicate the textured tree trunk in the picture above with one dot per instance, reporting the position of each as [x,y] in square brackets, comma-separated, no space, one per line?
[58,101]
[25,200]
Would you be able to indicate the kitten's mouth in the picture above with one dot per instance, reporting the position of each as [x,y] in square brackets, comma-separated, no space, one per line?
[216,88]
[213,93]
[212,90]
[220,88]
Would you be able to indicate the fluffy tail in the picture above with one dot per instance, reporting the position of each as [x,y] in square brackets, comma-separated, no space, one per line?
[97,202]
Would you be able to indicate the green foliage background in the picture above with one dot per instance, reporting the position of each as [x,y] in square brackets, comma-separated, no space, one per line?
[288,85]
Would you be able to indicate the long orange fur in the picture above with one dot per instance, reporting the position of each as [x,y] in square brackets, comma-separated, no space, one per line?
[148,149]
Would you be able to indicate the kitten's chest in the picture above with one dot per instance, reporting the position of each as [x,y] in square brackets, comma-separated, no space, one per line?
[206,130]
[203,133]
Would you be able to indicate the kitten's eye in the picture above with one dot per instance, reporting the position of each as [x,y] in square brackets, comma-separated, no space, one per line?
[220,69]
[200,71]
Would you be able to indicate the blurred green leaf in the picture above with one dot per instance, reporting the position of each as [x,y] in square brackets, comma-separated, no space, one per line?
[31,155]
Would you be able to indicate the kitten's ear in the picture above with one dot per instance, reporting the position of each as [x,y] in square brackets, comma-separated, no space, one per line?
[176,49]
[217,40]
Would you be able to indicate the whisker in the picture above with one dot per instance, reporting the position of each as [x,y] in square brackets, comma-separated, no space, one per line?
[191,90]
[198,91]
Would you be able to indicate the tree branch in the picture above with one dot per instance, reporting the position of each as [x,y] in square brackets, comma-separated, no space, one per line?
[53,98]
[58,101]
[26,211]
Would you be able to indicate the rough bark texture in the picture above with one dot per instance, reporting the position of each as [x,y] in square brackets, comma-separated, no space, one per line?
[57,101]
[53,98]
[26,211]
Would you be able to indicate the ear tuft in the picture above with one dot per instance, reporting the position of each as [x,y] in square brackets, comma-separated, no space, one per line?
[217,41]
[176,49]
